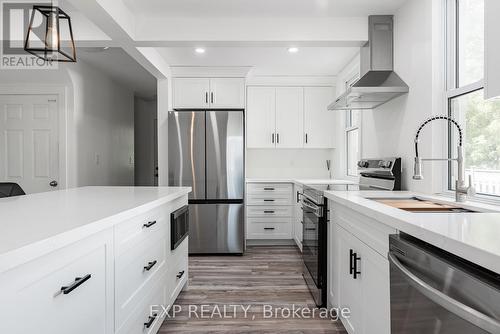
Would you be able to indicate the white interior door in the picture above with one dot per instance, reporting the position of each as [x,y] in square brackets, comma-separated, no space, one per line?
[29,153]
[289,117]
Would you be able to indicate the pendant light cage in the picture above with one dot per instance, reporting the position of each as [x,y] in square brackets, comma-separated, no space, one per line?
[49,47]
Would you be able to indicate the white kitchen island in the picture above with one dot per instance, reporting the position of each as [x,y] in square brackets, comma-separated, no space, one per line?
[90,260]
[358,265]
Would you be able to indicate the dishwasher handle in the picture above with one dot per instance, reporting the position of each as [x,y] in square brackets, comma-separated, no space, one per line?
[465,312]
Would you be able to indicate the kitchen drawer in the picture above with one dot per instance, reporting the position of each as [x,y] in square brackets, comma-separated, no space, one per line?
[269,199]
[269,188]
[269,211]
[132,277]
[149,310]
[177,274]
[131,233]
[269,228]
[32,296]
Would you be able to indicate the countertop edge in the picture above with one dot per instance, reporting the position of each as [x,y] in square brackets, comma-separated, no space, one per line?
[469,252]
[29,252]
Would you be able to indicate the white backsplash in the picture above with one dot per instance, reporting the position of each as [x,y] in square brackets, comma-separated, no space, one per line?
[288,163]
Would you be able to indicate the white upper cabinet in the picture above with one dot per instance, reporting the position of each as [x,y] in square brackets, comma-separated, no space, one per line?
[492,49]
[261,117]
[203,93]
[289,117]
[318,120]
[191,93]
[227,93]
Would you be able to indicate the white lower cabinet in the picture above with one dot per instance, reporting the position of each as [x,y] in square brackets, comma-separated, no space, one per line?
[358,274]
[104,284]
[67,291]
[297,216]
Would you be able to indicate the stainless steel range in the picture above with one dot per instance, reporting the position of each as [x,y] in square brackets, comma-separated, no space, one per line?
[375,174]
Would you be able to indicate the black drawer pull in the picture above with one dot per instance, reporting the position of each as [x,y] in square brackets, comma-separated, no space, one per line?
[268,211]
[268,228]
[269,189]
[269,200]
[150,321]
[150,265]
[353,264]
[310,229]
[149,224]
[180,274]
[78,281]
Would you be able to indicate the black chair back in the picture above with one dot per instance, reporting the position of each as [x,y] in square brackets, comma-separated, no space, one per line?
[9,189]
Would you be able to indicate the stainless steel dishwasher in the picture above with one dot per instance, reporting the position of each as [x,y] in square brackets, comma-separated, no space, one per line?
[435,292]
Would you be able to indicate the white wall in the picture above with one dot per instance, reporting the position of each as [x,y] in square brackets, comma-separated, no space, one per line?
[99,121]
[144,144]
[390,129]
[293,163]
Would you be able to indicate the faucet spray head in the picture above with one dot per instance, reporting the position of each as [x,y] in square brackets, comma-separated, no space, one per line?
[417,169]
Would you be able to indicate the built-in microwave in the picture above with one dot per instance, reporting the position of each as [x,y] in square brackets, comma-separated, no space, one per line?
[179,226]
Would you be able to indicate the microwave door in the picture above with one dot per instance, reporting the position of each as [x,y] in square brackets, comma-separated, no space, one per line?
[186,145]
[225,155]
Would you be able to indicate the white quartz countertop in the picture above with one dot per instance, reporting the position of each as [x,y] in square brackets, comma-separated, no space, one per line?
[33,224]
[472,236]
[300,181]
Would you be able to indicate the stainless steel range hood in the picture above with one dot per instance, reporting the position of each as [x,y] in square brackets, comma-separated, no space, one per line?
[378,82]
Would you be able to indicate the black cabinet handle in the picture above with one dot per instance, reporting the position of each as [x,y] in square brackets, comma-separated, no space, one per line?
[268,188]
[353,264]
[212,97]
[150,321]
[150,265]
[149,224]
[310,229]
[277,138]
[180,274]
[268,228]
[269,200]
[78,281]
[206,97]
[306,138]
[272,138]
[268,211]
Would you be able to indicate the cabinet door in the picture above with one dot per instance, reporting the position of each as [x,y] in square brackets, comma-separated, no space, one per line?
[492,49]
[67,291]
[376,301]
[289,117]
[319,123]
[349,291]
[261,117]
[227,93]
[191,93]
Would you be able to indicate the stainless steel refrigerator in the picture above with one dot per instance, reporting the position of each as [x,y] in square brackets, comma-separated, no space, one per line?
[206,152]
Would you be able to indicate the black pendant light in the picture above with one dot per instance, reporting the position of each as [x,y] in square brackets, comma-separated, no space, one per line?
[48,46]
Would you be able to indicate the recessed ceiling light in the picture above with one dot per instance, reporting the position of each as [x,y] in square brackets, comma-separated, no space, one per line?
[293,50]
[199,50]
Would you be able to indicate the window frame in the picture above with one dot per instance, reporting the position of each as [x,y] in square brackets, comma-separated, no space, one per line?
[453,91]
[349,126]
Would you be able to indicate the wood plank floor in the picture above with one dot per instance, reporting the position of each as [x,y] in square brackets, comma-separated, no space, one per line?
[263,276]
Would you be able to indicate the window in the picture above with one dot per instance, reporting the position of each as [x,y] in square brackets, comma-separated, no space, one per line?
[479,118]
[352,136]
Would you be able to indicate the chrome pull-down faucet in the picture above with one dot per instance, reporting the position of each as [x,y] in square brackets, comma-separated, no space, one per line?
[461,189]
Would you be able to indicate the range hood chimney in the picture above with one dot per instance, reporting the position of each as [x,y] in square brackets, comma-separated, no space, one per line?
[378,82]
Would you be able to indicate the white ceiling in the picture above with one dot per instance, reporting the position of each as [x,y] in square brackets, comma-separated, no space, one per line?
[263,8]
[122,68]
[265,60]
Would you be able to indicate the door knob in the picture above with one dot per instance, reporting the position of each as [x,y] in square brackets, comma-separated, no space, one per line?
[53,183]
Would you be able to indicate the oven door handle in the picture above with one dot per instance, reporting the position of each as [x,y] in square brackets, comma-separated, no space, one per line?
[316,210]
[465,312]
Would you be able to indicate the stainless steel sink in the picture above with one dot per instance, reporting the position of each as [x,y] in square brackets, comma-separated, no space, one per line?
[422,205]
